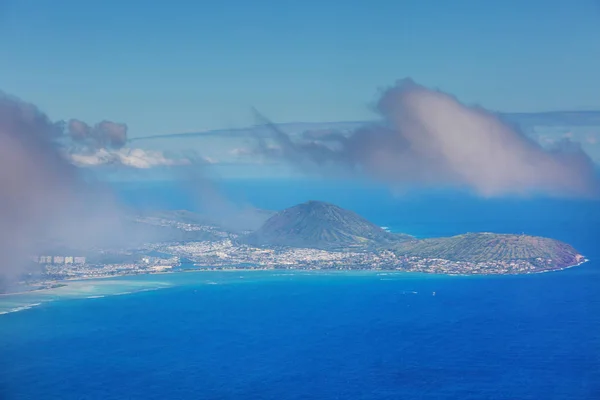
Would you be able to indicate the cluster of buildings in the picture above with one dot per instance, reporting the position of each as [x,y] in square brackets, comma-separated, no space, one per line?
[443,266]
[159,261]
[59,260]
[227,254]
[144,265]
[59,272]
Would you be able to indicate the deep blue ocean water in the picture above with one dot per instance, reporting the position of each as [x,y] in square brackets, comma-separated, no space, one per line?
[269,335]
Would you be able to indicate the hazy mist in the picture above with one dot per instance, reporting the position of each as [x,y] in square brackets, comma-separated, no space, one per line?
[44,198]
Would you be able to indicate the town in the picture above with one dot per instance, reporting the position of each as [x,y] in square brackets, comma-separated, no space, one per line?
[67,267]
[189,242]
[227,254]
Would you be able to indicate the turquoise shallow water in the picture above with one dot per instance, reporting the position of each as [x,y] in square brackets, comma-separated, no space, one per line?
[92,288]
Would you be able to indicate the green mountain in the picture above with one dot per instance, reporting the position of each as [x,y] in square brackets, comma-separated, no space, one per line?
[488,247]
[326,226]
[321,225]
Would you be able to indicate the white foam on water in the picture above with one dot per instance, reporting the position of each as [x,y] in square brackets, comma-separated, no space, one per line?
[85,289]
[20,308]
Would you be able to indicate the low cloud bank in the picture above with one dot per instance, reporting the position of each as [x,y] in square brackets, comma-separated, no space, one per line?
[46,201]
[428,138]
[43,197]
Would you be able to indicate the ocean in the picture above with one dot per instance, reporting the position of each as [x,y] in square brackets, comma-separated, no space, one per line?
[310,335]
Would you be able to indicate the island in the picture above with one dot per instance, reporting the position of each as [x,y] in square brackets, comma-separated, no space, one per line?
[314,235]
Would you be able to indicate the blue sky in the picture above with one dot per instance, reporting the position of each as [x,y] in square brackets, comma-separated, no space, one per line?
[181,66]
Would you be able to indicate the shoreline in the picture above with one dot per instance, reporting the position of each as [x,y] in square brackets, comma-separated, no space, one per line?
[64,282]
[46,291]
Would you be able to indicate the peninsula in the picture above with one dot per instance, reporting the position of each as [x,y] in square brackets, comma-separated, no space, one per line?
[313,236]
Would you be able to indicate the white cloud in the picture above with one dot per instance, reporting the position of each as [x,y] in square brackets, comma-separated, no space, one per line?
[133,158]
[427,137]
